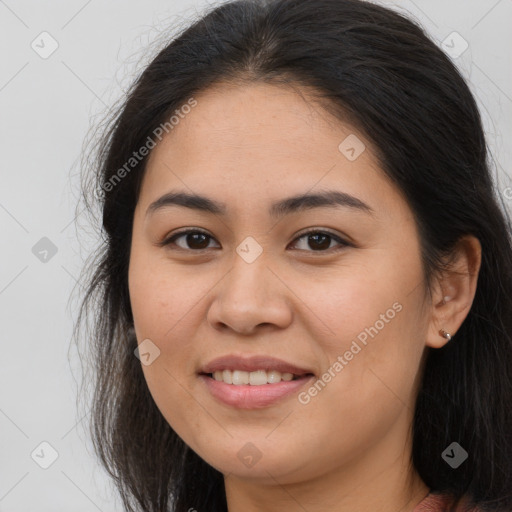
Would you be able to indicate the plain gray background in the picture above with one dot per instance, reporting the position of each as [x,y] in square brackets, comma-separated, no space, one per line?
[47,106]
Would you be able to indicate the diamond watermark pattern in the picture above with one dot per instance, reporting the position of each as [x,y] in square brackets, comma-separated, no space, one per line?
[455,45]
[249,249]
[249,454]
[44,455]
[352,147]
[44,250]
[454,455]
[147,352]
[44,45]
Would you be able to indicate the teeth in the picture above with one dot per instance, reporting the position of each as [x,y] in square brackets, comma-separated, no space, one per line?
[240,378]
[257,378]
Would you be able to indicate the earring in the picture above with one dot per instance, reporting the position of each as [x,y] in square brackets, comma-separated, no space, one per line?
[445,334]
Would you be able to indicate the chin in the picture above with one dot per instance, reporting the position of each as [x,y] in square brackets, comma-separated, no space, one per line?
[250,462]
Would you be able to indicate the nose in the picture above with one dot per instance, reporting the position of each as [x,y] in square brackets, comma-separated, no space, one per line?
[251,296]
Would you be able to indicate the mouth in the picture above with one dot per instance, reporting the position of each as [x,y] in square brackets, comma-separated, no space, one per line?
[252,390]
[254,378]
[252,382]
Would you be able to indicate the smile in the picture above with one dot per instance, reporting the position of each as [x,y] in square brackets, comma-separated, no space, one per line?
[256,394]
[256,378]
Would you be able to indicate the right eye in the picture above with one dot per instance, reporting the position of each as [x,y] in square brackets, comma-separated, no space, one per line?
[196,240]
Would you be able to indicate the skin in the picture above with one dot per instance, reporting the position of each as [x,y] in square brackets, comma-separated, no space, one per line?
[349,447]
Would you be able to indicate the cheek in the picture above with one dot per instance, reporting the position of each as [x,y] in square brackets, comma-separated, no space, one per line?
[165,315]
[368,331]
[353,303]
[371,359]
[164,296]
[169,319]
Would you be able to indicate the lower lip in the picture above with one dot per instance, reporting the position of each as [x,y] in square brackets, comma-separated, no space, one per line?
[246,396]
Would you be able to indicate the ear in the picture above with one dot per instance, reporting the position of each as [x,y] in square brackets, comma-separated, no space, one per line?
[453,293]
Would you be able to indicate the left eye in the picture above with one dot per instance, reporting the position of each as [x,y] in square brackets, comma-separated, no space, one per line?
[321,240]
[318,241]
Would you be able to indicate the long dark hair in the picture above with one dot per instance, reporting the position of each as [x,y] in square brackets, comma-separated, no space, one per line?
[379,71]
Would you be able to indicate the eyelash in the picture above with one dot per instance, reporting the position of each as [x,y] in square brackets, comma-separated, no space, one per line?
[170,240]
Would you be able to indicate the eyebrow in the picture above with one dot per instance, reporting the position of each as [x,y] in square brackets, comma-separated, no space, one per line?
[329,198]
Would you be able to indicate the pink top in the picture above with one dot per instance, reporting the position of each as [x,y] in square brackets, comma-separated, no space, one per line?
[439,502]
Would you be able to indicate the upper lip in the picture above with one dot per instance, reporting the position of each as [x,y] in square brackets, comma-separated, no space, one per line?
[251,364]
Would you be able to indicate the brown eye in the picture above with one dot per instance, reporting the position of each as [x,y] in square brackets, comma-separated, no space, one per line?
[193,240]
[320,241]
[196,240]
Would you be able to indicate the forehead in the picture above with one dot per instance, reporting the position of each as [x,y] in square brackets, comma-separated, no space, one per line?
[263,141]
[257,118]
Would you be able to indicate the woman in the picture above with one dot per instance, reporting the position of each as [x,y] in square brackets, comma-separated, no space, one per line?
[305,288]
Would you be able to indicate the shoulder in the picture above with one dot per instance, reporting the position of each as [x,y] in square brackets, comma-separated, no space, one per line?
[440,502]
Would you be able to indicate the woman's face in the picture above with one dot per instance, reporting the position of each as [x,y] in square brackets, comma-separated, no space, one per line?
[344,306]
